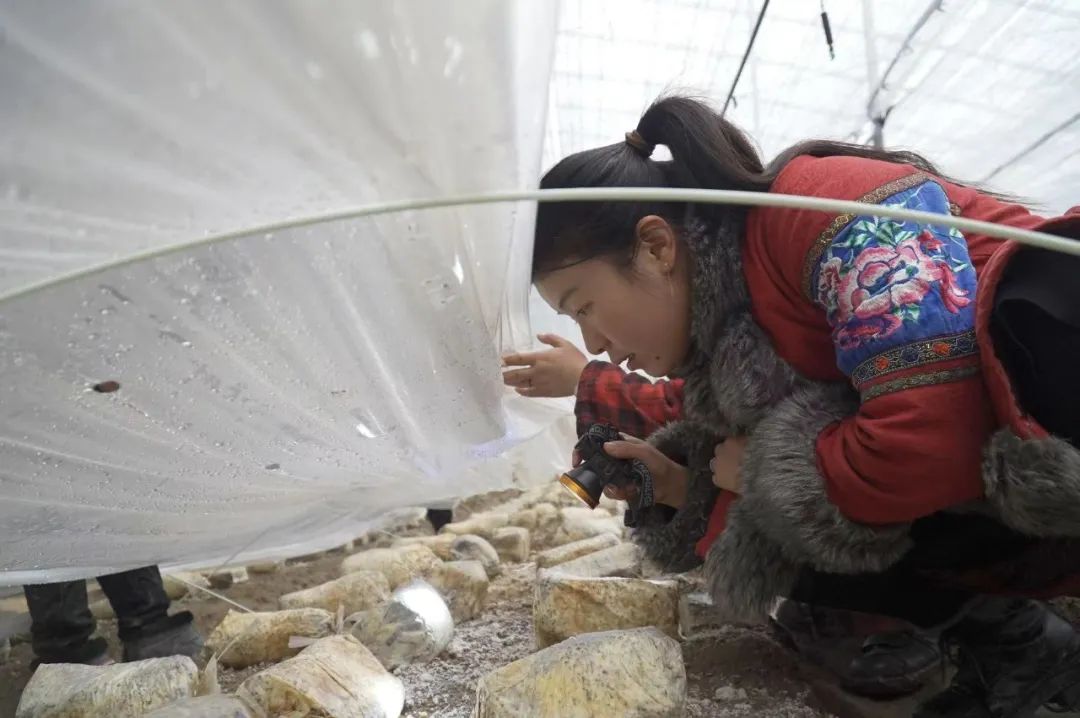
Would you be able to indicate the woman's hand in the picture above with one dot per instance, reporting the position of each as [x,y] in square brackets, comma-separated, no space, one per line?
[670,480]
[727,457]
[552,372]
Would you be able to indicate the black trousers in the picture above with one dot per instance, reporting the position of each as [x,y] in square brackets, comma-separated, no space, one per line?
[62,624]
[439,518]
[955,558]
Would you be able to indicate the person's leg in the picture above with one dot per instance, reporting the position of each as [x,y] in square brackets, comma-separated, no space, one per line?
[953,558]
[1014,656]
[884,663]
[141,605]
[895,662]
[62,625]
[896,593]
[999,640]
[871,655]
[138,598]
[439,518]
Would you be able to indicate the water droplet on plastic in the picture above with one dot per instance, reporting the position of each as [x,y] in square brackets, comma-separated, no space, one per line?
[367,43]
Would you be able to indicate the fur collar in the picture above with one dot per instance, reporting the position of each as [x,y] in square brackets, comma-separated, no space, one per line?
[733,374]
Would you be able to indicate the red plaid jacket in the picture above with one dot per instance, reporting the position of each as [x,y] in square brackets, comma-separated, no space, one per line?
[636,406]
[631,403]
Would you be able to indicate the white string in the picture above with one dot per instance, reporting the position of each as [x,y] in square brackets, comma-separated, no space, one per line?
[588,194]
[211,664]
[215,594]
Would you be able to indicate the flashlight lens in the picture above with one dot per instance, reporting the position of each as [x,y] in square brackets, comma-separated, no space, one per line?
[578,490]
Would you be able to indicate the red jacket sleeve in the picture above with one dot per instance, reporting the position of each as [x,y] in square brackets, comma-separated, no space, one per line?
[898,299]
[636,406]
[631,403]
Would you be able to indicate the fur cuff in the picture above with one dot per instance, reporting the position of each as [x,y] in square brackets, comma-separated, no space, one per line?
[1034,484]
[745,571]
[785,497]
[670,540]
[690,443]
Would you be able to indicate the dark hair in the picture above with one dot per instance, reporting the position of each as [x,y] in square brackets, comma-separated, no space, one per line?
[707,152]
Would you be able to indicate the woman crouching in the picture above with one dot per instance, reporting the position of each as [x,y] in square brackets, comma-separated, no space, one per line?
[893,401]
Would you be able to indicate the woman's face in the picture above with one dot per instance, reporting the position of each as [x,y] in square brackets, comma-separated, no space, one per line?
[639,313]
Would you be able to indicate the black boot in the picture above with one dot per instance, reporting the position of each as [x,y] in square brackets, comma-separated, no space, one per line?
[145,626]
[893,664]
[894,660]
[63,628]
[173,635]
[1014,656]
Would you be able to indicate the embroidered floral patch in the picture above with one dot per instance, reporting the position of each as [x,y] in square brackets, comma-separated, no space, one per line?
[887,285]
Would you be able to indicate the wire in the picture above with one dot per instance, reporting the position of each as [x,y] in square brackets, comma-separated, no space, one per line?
[583,194]
[216,595]
[745,57]
[934,6]
[1031,148]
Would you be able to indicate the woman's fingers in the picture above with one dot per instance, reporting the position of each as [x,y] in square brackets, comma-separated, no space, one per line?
[669,478]
[727,458]
[521,359]
[627,449]
[518,377]
[553,340]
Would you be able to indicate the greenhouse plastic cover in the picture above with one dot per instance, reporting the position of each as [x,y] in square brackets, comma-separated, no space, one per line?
[287,385]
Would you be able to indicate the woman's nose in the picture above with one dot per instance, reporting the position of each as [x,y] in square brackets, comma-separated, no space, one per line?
[595,342]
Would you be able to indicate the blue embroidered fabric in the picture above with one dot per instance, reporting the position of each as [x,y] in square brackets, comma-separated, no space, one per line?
[897,294]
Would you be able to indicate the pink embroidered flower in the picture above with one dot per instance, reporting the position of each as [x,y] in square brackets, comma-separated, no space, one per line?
[870,296]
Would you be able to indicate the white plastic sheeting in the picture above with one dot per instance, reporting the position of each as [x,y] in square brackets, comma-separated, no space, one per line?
[280,389]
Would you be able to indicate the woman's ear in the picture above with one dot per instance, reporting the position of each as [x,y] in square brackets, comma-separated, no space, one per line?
[657,242]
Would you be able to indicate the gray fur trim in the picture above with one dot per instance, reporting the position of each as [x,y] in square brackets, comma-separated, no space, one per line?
[670,543]
[733,374]
[1034,484]
[746,374]
[690,443]
[717,284]
[784,494]
[745,571]
[737,383]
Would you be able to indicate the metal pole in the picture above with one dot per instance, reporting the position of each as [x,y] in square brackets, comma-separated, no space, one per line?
[873,110]
[746,55]
[934,6]
[579,194]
